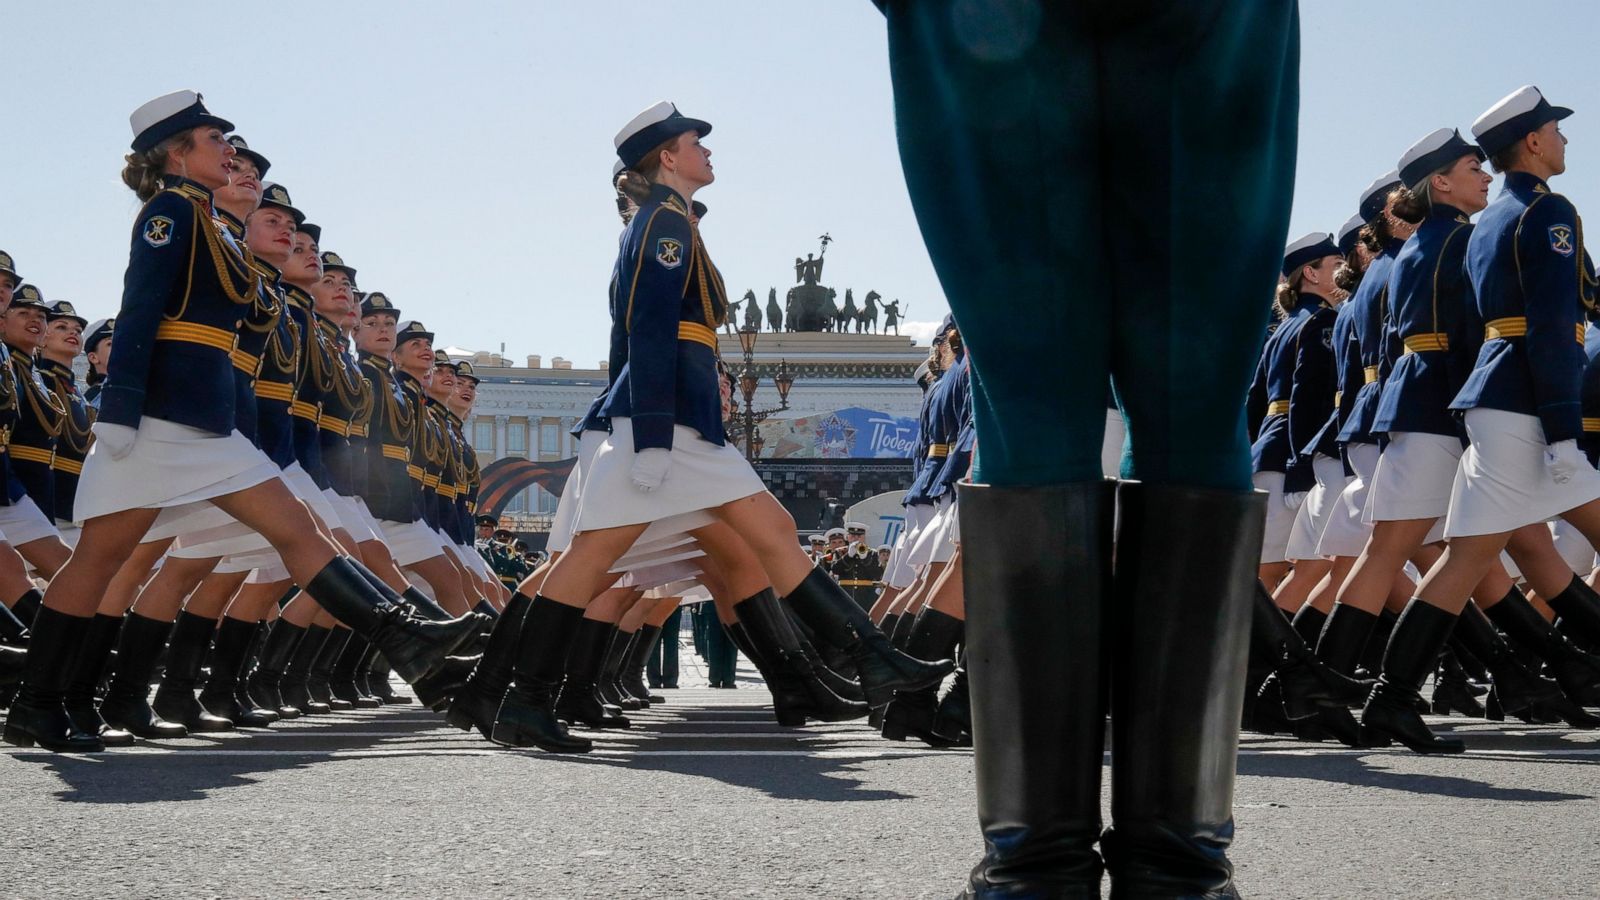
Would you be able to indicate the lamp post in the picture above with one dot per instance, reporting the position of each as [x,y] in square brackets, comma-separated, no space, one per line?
[749,417]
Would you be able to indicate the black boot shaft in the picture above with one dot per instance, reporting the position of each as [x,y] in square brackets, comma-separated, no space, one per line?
[1344,637]
[1181,619]
[27,606]
[100,638]
[13,630]
[1034,642]
[38,715]
[1308,622]
[527,715]
[1579,609]
[413,647]
[1409,657]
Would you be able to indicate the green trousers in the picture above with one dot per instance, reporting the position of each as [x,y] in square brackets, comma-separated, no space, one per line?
[1104,189]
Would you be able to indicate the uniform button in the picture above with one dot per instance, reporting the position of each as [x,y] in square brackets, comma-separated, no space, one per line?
[239,324]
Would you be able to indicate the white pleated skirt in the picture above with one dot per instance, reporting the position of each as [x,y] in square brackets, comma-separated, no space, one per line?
[409,542]
[1346,534]
[898,574]
[1503,483]
[1311,519]
[170,467]
[655,576]
[567,506]
[23,522]
[1280,518]
[350,516]
[932,543]
[1414,477]
[702,476]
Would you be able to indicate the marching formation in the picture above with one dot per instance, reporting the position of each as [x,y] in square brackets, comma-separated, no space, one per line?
[1426,418]
[264,502]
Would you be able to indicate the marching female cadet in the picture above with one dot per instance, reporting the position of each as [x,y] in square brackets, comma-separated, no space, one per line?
[440,388]
[666,453]
[1292,395]
[1310,396]
[897,576]
[26,521]
[166,434]
[1521,404]
[97,350]
[917,502]
[1106,100]
[62,343]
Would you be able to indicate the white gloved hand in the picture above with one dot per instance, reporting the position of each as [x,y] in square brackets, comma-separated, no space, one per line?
[1294,500]
[1563,459]
[116,439]
[650,468]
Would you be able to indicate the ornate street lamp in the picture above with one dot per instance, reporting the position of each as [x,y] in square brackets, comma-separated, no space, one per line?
[749,381]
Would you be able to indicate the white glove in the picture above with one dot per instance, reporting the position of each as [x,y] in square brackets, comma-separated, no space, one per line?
[1294,500]
[1563,459]
[116,439]
[650,468]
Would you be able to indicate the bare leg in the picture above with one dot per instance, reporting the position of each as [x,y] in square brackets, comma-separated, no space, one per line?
[575,579]
[163,595]
[47,555]
[1293,591]
[213,594]
[949,595]
[106,541]
[1388,549]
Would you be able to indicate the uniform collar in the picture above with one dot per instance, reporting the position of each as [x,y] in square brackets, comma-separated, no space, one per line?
[233,222]
[1310,302]
[660,193]
[49,365]
[1446,211]
[19,355]
[187,187]
[298,296]
[365,357]
[1525,183]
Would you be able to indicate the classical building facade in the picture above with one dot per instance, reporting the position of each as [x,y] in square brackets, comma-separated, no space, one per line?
[529,411]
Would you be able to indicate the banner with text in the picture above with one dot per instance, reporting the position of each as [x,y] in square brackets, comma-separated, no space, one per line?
[851,433]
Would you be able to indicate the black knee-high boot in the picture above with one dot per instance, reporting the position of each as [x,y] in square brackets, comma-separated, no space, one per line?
[475,705]
[87,671]
[319,679]
[901,635]
[342,682]
[295,684]
[39,714]
[175,699]
[224,695]
[1185,572]
[526,716]
[611,689]
[1452,690]
[413,646]
[1579,610]
[952,721]
[911,714]
[820,602]
[1575,670]
[1517,689]
[13,631]
[1035,632]
[266,682]
[1340,647]
[127,704]
[632,674]
[1303,680]
[579,702]
[26,609]
[1419,634]
[797,691]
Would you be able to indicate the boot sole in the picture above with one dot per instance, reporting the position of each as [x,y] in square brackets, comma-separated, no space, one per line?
[516,737]
[18,737]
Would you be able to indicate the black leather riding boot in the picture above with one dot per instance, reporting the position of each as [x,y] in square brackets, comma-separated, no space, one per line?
[632,675]
[526,716]
[580,703]
[414,647]
[1038,564]
[127,705]
[87,671]
[224,696]
[39,715]
[1518,689]
[797,691]
[319,680]
[27,607]
[611,689]
[175,699]
[295,685]
[475,705]
[1185,574]
[342,681]
[265,684]
[1575,670]
[1579,610]
[934,635]
[13,631]
[1304,681]
[821,603]
[1419,634]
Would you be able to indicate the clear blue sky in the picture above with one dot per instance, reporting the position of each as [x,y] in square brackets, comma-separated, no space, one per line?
[459,154]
